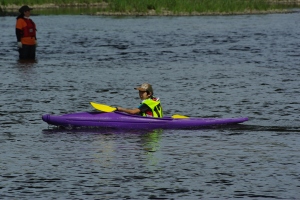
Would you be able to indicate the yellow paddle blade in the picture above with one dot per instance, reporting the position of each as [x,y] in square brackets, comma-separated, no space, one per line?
[179,116]
[102,107]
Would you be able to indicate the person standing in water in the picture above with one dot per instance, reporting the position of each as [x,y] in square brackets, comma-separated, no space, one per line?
[26,34]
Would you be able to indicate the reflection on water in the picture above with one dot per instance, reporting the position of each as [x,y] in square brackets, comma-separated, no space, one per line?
[27,62]
[151,144]
[151,140]
[108,142]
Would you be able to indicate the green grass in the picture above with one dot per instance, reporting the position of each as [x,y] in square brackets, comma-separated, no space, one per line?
[41,2]
[160,6]
[189,6]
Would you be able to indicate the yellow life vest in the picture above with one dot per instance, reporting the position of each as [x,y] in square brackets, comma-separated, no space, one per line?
[155,106]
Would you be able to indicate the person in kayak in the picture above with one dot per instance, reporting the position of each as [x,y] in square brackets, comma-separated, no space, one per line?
[26,34]
[150,105]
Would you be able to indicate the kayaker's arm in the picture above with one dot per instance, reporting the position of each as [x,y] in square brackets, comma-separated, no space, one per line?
[133,111]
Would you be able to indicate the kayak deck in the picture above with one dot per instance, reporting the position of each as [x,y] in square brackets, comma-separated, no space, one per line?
[127,121]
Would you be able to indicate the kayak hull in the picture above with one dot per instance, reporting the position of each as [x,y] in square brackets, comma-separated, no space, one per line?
[125,121]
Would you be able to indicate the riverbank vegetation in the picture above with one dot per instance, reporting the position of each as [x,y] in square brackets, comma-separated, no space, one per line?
[193,6]
[160,7]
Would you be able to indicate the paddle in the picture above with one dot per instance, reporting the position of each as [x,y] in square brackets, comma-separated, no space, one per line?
[102,107]
[176,116]
[106,108]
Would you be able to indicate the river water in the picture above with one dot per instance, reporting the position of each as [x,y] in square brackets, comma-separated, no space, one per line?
[205,66]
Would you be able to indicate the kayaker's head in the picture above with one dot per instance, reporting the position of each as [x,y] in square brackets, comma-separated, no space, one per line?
[145,91]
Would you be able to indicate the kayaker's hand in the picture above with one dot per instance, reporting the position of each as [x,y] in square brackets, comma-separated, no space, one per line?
[19,44]
[117,109]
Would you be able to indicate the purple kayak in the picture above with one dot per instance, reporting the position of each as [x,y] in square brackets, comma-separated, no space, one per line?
[126,121]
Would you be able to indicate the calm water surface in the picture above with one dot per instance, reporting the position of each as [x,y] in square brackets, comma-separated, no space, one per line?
[208,66]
